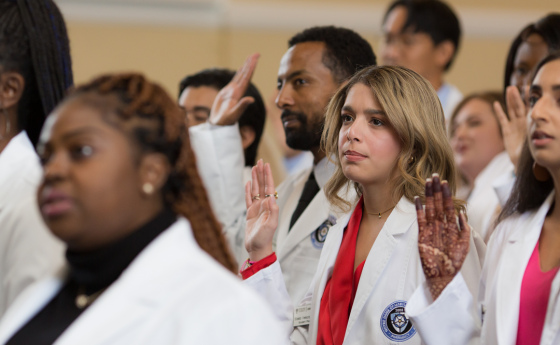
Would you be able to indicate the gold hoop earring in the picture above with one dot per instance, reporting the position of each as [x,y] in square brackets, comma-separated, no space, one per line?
[411,160]
[8,124]
[540,172]
[148,188]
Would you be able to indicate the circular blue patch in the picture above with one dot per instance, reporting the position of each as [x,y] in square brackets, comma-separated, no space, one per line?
[319,236]
[394,323]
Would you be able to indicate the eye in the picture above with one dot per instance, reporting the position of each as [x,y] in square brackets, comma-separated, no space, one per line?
[81,151]
[299,81]
[533,100]
[377,122]
[346,118]
[45,157]
[279,84]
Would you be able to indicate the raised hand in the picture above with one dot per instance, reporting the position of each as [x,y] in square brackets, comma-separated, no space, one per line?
[230,104]
[514,129]
[262,212]
[442,245]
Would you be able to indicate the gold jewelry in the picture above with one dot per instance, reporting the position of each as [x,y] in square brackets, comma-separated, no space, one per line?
[275,195]
[411,160]
[83,300]
[148,188]
[380,213]
[257,197]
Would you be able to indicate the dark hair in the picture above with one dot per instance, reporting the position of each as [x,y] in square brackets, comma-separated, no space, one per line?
[547,27]
[34,43]
[486,96]
[157,124]
[255,114]
[432,17]
[346,52]
[528,193]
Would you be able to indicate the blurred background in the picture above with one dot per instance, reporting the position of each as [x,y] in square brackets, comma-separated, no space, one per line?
[168,39]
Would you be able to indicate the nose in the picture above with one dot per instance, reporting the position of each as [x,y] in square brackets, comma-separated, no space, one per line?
[390,53]
[541,110]
[355,133]
[55,169]
[284,99]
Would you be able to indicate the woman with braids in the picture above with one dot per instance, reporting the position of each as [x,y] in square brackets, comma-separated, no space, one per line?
[519,297]
[385,131]
[146,260]
[35,73]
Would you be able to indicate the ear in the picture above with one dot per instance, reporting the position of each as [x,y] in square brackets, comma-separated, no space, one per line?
[11,89]
[248,136]
[444,53]
[154,170]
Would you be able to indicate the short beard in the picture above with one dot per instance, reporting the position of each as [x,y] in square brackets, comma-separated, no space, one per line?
[307,136]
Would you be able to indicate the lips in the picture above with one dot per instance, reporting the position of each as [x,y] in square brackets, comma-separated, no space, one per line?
[55,203]
[540,138]
[354,156]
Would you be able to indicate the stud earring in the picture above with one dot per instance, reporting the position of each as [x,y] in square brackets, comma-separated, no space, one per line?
[148,188]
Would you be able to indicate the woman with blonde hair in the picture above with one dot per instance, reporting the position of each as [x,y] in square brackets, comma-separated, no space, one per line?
[385,131]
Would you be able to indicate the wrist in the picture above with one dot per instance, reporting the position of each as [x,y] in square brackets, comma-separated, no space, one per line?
[258,255]
[437,285]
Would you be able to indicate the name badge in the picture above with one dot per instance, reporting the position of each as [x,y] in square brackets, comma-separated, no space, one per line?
[302,315]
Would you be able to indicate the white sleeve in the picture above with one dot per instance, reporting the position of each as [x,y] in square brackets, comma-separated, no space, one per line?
[220,162]
[269,283]
[29,250]
[451,316]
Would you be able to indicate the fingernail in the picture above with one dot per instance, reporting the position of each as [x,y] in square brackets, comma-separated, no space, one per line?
[435,174]
[437,186]
[446,191]
[429,191]
[418,203]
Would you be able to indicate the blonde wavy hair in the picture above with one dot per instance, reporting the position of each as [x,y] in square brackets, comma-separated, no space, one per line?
[413,109]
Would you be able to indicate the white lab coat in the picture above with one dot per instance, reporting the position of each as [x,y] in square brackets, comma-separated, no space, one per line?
[172,293]
[29,250]
[391,274]
[483,201]
[220,162]
[455,317]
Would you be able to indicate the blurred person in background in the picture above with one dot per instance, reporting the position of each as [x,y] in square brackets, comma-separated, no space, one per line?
[533,44]
[480,156]
[424,36]
[35,73]
[146,260]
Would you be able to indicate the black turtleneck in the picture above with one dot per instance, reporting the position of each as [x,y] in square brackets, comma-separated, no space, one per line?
[90,271]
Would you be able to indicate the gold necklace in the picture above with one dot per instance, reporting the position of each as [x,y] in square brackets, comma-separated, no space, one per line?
[83,300]
[380,213]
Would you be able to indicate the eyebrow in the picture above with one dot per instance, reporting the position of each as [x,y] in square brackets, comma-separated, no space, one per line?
[292,75]
[80,131]
[366,111]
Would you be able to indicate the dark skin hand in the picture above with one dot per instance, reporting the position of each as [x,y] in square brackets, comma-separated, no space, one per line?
[442,244]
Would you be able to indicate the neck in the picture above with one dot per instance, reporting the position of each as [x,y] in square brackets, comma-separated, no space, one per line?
[318,154]
[436,79]
[377,198]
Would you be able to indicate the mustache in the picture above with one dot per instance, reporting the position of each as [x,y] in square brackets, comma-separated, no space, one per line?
[299,116]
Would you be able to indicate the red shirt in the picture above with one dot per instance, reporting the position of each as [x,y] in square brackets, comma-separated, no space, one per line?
[341,288]
[535,291]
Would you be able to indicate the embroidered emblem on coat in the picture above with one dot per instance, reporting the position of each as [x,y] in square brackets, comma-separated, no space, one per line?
[395,324]
[319,236]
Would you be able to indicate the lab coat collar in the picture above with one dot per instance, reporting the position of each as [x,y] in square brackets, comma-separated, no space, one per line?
[323,171]
[518,249]
[499,165]
[19,149]
[175,250]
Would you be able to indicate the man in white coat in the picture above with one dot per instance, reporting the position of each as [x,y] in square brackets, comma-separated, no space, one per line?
[317,62]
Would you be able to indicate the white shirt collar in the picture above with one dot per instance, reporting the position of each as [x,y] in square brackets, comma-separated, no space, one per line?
[323,171]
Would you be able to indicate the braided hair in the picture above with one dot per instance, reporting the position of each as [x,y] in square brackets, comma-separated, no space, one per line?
[157,124]
[34,43]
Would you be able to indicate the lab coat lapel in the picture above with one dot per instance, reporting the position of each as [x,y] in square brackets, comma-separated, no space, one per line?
[28,304]
[289,193]
[314,215]
[517,251]
[325,269]
[133,298]
[399,222]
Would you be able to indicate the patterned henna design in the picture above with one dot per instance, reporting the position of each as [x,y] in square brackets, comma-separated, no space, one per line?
[442,244]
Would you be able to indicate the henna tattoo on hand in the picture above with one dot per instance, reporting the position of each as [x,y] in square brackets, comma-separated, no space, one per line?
[443,245]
